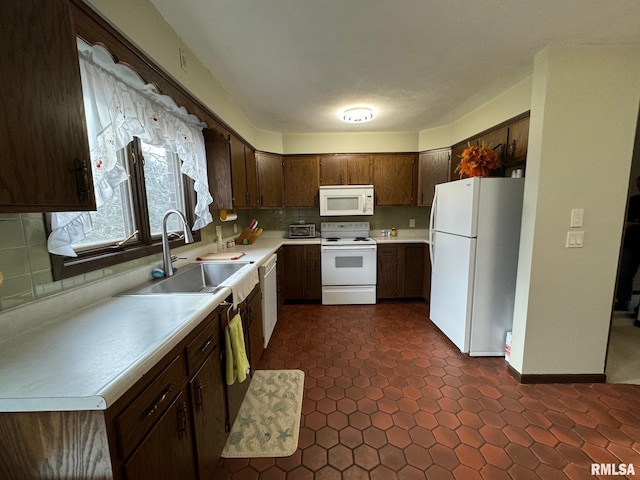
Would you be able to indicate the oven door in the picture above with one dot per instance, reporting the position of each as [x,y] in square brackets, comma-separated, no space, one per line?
[348,265]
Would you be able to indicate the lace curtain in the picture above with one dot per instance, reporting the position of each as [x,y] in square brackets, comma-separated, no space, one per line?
[118,106]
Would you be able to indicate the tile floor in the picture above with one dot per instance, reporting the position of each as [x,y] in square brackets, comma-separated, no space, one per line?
[387,397]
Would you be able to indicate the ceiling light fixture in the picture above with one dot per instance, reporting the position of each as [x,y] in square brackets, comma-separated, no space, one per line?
[360,114]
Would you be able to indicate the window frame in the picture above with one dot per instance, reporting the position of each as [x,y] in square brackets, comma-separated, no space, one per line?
[103,256]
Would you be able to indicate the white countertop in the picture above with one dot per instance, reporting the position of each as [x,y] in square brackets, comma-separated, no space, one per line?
[87,358]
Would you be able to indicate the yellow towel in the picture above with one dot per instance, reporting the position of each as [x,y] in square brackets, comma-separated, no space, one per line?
[237,362]
[230,374]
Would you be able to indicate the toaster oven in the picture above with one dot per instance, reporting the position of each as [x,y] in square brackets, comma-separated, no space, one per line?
[302,230]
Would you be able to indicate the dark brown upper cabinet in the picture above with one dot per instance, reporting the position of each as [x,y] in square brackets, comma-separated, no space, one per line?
[301,180]
[345,170]
[43,134]
[244,175]
[393,179]
[433,168]
[217,145]
[269,179]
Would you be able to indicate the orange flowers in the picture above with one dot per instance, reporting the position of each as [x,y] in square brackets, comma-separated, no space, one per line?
[478,161]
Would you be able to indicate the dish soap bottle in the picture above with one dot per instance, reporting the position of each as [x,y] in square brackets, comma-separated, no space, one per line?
[394,232]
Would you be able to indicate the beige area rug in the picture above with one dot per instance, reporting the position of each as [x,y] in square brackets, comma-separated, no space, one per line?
[268,422]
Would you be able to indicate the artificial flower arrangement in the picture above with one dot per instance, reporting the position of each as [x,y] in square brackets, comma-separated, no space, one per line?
[478,161]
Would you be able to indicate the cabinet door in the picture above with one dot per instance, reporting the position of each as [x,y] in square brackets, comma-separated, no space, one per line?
[312,274]
[251,172]
[237,391]
[209,414]
[332,170]
[414,275]
[256,330]
[359,170]
[243,174]
[393,177]
[387,286]
[301,181]
[218,168]
[518,141]
[293,268]
[269,167]
[166,453]
[43,135]
[433,168]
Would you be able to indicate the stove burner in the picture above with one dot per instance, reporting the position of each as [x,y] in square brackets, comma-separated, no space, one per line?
[360,239]
[332,239]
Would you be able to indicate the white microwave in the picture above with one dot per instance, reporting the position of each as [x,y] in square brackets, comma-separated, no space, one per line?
[346,200]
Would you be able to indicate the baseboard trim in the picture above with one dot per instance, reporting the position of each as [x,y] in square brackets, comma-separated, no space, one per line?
[529,378]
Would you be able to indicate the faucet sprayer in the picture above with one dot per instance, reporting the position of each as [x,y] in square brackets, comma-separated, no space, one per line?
[166,252]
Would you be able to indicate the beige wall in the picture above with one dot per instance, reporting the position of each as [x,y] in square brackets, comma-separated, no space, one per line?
[156,38]
[584,110]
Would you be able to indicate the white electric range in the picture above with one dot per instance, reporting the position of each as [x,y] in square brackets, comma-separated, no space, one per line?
[348,261]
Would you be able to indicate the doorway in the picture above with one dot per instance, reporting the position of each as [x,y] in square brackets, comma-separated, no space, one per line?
[623,352]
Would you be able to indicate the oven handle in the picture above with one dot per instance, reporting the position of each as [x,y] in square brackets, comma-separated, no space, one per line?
[349,248]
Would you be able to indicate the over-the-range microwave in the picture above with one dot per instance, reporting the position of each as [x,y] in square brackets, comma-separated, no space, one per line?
[346,200]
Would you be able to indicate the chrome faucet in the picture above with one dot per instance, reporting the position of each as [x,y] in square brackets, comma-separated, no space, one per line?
[166,252]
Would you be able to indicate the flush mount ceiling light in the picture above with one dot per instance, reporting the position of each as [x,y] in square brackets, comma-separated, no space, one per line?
[360,114]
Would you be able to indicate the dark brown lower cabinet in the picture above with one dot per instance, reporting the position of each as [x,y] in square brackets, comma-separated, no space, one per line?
[166,453]
[251,313]
[403,271]
[301,267]
[170,424]
[208,404]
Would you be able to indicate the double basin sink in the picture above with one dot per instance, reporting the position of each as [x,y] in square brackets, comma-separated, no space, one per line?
[203,278]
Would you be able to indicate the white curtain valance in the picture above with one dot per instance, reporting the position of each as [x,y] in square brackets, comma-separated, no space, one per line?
[120,106]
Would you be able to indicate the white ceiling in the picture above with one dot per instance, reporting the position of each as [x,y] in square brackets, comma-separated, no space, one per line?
[290,65]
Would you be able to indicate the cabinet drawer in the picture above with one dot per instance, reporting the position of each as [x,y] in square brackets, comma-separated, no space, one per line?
[149,406]
[202,346]
[388,250]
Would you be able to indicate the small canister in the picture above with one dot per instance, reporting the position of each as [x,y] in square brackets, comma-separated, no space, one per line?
[394,232]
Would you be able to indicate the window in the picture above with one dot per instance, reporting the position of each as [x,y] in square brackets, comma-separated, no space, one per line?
[129,224]
[147,157]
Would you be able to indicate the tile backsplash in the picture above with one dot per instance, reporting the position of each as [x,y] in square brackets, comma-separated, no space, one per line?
[26,268]
[25,265]
[384,217]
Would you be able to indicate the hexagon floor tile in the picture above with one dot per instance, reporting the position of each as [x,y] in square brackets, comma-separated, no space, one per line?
[388,397]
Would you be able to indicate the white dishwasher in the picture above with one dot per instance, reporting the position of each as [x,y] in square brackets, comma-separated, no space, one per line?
[269,287]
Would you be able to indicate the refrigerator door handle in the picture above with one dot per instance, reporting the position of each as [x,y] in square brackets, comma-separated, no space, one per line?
[431,223]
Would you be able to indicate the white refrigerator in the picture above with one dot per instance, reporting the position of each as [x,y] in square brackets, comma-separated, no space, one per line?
[474,241]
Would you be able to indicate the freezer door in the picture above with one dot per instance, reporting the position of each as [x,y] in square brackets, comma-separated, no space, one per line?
[452,286]
[457,207]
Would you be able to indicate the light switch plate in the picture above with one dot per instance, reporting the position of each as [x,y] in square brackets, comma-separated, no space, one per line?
[577,217]
[575,239]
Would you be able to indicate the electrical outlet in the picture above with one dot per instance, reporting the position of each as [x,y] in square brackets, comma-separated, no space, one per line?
[575,239]
[183,60]
[412,223]
[235,228]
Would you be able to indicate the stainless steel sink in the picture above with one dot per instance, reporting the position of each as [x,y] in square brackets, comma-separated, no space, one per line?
[193,278]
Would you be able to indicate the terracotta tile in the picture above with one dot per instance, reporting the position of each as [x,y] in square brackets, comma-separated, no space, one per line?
[382,472]
[327,437]
[350,437]
[392,457]
[387,397]
[496,456]
[327,473]
[444,457]
[366,457]
[289,463]
[340,457]
[262,464]
[359,420]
